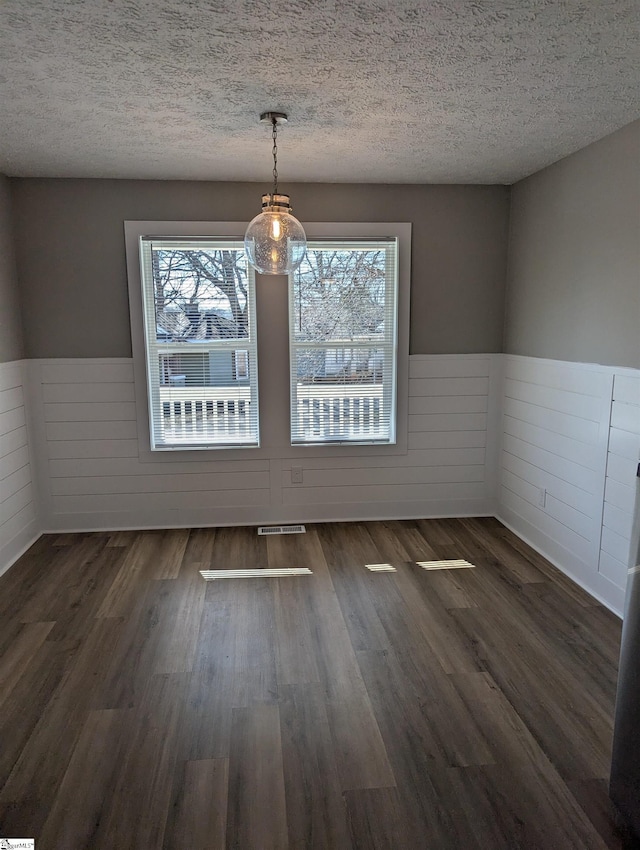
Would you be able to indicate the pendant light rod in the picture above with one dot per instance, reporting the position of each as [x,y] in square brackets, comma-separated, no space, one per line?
[274,118]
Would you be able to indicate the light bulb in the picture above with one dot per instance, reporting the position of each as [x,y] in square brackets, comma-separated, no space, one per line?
[276,229]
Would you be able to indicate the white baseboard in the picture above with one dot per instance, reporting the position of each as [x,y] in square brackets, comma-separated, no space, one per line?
[15,549]
[278,515]
[600,588]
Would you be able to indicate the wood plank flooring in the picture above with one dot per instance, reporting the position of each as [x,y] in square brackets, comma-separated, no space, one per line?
[142,707]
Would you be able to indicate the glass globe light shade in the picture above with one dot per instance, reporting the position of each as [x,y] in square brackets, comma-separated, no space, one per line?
[275,240]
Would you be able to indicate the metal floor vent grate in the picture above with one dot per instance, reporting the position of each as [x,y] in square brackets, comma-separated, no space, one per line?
[282,529]
[212,575]
[458,564]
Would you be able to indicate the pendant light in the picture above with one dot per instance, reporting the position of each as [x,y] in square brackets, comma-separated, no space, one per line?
[275,241]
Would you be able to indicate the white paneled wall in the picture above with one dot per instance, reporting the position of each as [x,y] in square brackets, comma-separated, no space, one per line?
[556,458]
[621,481]
[88,440]
[444,470]
[549,447]
[89,444]
[18,513]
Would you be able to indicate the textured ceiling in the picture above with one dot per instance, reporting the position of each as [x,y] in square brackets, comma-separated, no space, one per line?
[376,90]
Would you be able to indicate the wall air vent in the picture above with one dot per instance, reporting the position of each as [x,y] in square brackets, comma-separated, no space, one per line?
[281,529]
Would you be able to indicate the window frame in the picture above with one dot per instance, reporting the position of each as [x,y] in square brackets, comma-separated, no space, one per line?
[155,349]
[273,373]
[389,343]
[133,231]
[402,231]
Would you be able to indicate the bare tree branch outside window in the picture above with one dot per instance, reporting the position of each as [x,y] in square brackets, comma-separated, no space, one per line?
[200,295]
[339,298]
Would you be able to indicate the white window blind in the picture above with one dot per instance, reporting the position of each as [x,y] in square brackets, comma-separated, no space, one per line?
[200,342]
[343,304]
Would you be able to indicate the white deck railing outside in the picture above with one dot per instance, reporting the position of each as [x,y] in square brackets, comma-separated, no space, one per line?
[323,411]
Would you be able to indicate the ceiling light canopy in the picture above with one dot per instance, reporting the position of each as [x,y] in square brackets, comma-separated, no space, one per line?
[275,240]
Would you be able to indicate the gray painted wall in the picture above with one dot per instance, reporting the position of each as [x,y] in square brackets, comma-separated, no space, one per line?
[11,339]
[573,283]
[70,248]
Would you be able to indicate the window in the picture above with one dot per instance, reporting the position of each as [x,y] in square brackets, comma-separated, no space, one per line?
[198,302]
[343,304]
[193,305]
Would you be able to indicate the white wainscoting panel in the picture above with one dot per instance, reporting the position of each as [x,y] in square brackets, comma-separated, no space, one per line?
[556,463]
[18,503]
[549,447]
[621,488]
[445,469]
[95,480]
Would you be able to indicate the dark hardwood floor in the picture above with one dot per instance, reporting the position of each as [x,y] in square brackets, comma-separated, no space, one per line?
[142,707]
